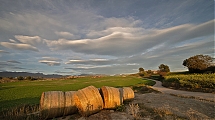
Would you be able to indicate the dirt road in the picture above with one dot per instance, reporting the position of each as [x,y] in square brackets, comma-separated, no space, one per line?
[199,95]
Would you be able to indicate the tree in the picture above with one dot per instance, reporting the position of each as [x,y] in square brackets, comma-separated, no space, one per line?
[198,63]
[29,78]
[149,72]
[20,78]
[141,72]
[10,78]
[164,68]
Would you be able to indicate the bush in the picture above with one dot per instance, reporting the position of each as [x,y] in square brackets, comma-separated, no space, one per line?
[33,78]
[10,78]
[162,74]
[143,74]
[20,78]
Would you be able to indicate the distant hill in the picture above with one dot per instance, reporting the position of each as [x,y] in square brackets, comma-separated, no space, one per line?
[25,74]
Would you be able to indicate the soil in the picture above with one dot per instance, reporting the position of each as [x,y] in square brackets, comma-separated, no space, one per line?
[166,106]
[152,106]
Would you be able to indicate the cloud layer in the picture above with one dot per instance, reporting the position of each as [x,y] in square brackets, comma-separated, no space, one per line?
[129,41]
[106,37]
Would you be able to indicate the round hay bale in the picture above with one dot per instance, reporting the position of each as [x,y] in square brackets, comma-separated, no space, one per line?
[52,104]
[70,107]
[111,97]
[88,101]
[127,93]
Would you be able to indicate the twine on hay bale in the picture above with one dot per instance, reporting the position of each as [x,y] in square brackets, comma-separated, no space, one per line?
[88,101]
[111,97]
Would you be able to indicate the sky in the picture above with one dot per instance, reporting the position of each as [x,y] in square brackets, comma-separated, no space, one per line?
[72,37]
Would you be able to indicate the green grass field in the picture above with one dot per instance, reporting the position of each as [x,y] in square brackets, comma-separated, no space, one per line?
[20,93]
[192,82]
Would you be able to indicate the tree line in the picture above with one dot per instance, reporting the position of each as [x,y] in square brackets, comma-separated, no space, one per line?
[195,64]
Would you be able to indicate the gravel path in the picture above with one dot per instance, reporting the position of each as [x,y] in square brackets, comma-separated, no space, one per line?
[199,95]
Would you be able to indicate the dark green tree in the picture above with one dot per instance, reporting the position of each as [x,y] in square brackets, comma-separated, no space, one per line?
[198,63]
[141,70]
[164,68]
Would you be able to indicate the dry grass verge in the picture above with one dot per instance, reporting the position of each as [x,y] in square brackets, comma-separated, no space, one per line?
[141,88]
[25,112]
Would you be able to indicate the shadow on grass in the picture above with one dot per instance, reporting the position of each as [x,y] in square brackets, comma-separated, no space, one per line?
[10,104]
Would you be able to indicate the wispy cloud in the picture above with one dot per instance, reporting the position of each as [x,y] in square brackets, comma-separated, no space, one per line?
[67,35]
[14,61]
[11,40]
[91,61]
[31,40]
[50,61]
[3,51]
[129,43]
[5,64]
[19,46]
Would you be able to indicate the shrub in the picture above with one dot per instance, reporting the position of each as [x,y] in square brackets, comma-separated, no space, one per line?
[121,108]
[10,78]
[29,78]
[20,78]
[144,74]
[162,74]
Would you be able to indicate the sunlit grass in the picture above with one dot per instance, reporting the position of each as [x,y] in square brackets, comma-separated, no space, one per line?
[29,92]
[193,82]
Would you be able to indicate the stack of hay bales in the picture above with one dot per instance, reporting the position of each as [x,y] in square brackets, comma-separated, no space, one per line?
[86,101]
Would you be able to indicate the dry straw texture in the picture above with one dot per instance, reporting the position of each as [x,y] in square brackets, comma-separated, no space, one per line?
[70,107]
[128,93]
[111,97]
[88,101]
[52,104]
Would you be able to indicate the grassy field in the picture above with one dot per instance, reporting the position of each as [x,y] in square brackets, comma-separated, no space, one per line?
[28,92]
[193,82]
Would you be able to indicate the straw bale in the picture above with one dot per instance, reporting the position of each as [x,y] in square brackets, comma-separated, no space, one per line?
[88,101]
[70,107]
[111,97]
[52,104]
[128,93]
